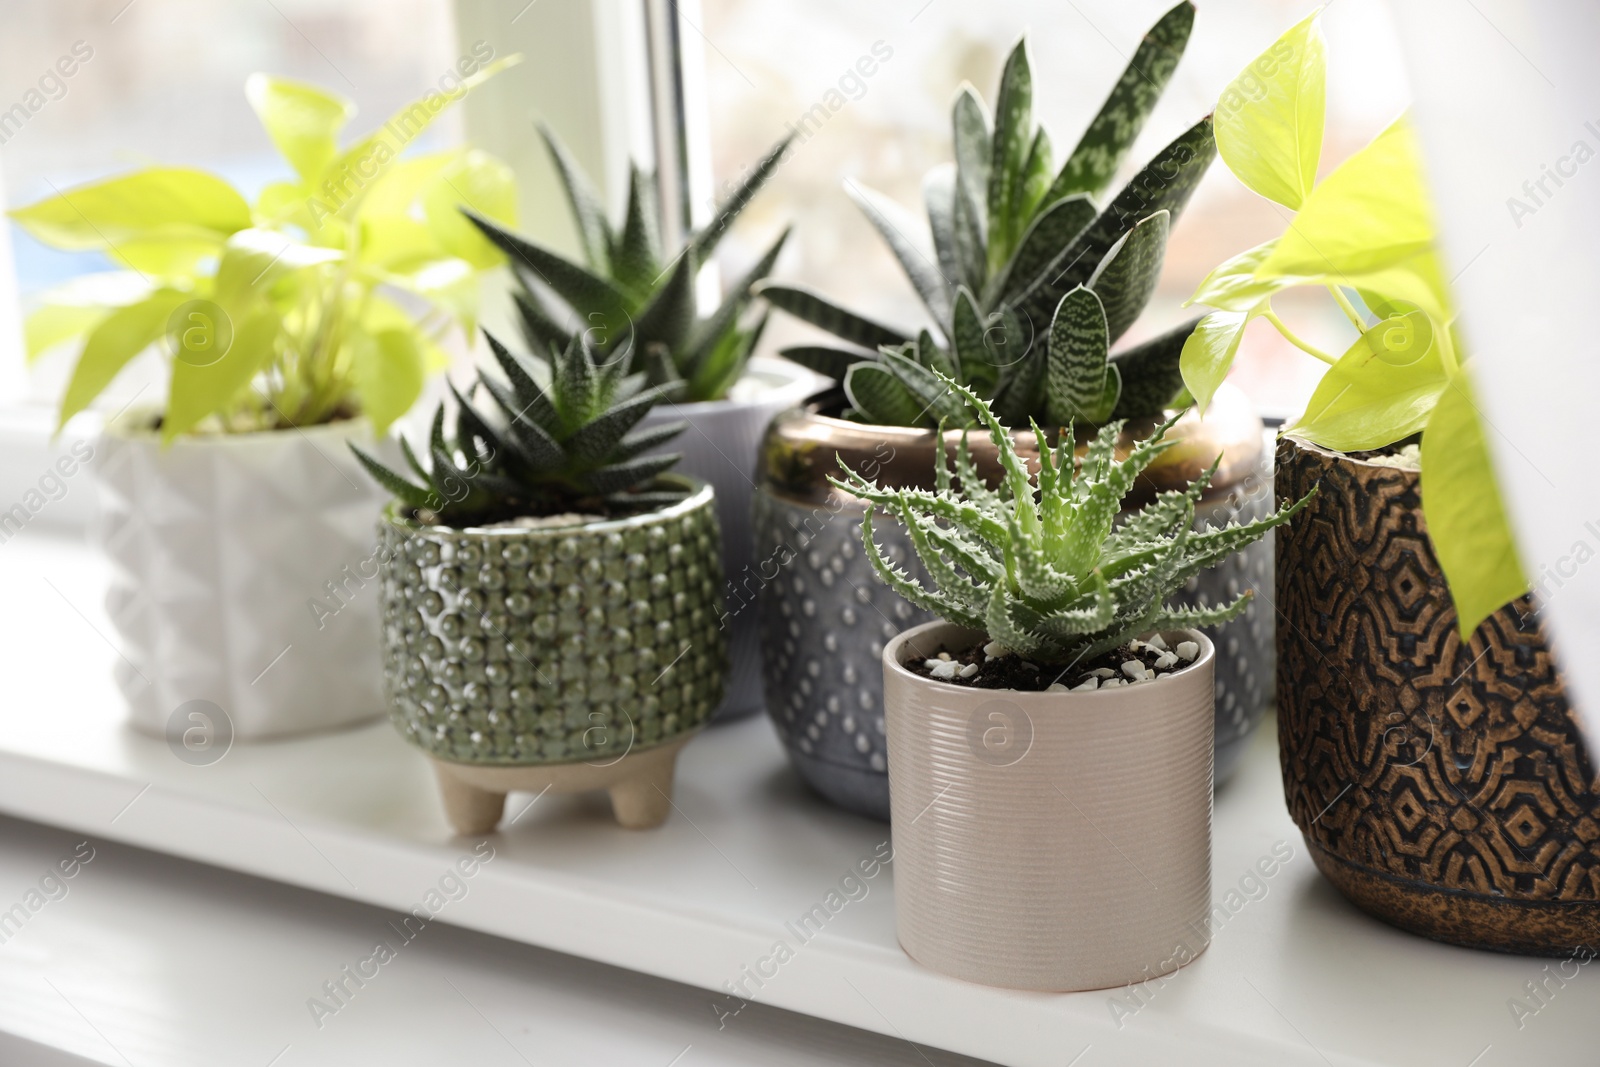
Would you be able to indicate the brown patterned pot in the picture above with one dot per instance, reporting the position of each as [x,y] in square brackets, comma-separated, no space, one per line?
[1441,785]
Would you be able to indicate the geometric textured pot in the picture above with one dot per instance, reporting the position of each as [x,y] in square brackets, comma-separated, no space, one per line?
[1049,841]
[570,657]
[242,576]
[1442,785]
[719,447]
[825,617]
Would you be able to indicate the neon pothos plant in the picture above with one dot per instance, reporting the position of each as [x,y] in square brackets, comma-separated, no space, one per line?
[631,296]
[1041,564]
[278,313]
[1365,234]
[1029,282]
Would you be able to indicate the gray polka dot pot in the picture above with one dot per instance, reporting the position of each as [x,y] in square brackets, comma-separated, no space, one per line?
[563,657]
[825,618]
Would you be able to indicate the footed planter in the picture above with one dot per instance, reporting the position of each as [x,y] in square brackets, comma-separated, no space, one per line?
[1049,841]
[1442,785]
[825,617]
[719,448]
[568,657]
[243,576]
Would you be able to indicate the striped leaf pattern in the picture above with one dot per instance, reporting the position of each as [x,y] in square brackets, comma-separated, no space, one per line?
[1077,377]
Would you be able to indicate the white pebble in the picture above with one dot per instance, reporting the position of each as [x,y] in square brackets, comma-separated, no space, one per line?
[1165,660]
[1055,687]
[944,655]
[994,650]
[1135,645]
[968,671]
[1187,650]
[1104,672]
[943,669]
[930,663]
[1133,669]
[1110,683]
[1087,683]
[1030,666]
[1157,642]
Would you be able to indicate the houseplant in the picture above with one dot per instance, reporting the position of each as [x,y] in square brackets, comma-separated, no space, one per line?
[238,527]
[637,302]
[1050,733]
[1429,753]
[551,593]
[1027,286]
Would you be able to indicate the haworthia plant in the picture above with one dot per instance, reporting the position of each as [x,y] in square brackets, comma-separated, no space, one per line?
[559,437]
[1017,244]
[1041,563]
[631,297]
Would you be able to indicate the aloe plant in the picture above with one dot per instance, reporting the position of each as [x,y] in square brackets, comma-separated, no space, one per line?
[634,298]
[1029,283]
[1040,563]
[278,313]
[559,438]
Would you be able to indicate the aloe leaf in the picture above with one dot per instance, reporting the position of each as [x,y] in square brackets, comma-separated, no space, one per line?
[538,324]
[967,337]
[1056,228]
[1116,126]
[1151,373]
[596,439]
[1076,377]
[1165,183]
[1008,157]
[971,247]
[470,424]
[586,292]
[829,362]
[636,253]
[640,441]
[408,494]
[1019,386]
[622,476]
[939,197]
[824,314]
[670,314]
[725,363]
[1035,176]
[897,227]
[714,329]
[935,358]
[531,423]
[1128,273]
[594,232]
[935,400]
[575,384]
[901,583]
[969,122]
[703,243]
[880,395]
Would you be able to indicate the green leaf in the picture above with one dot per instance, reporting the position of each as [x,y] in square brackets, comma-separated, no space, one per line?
[1111,134]
[1208,353]
[720,324]
[897,227]
[971,251]
[1127,275]
[254,259]
[199,391]
[880,396]
[1269,120]
[829,362]
[407,493]
[1382,389]
[302,120]
[121,335]
[1057,227]
[1150,373]
[1035,176]
[934,399]
[938,196]
[704,242]
[52,324]
[1370,213]
[1008,157]
[1075,382]
[160,219]
[1464,510]
[587,293]
[594,232]
[388,371]
[970,131]
[670,314]
[636,255]
[822,313]
[1233,285]
[472,179]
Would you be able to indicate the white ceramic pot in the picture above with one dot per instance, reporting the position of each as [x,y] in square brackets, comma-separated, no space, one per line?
[243,575]
[720,446]
[1049,841]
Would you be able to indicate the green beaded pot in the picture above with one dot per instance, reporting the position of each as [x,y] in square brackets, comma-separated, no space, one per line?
[519,647]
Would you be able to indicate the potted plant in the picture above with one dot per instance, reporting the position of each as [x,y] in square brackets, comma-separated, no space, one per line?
[637,302]
[1049,733]
[1028,285]
[237,525]
[551,592]
[1430,756]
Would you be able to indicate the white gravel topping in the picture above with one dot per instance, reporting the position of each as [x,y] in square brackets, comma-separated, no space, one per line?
[1157,642]
[1055,687]
[1104,672]
[1165,660]
[1187,650]
[995,650]
[1134,669]
[968,671]
[943,669]
[1087,683]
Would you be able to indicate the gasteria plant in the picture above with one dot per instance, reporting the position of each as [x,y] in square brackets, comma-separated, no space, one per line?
[634,298]
[1366,234]
[1029,283]
[279,313]
[1040,563]
[560,442]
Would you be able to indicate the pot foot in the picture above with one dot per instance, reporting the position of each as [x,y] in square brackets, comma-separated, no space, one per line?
[644,801]
[471,811]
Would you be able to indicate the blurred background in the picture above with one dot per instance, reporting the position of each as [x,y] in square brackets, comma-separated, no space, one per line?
[165,78]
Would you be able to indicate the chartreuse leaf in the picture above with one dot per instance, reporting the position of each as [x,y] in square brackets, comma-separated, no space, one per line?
[52,324]
[1234,286]
[1269,119]
[1370,213]
[302,120]
[198,391]
[253,259]
[477,180]
[1075,381]
[394,232]
[1380,391]
[1465,512]
[121,335]
[1127,275]
[1208,353]
[388,369]
[1111,134]
[1008,156]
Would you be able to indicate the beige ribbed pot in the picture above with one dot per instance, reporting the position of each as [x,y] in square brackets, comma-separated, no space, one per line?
[1049,841]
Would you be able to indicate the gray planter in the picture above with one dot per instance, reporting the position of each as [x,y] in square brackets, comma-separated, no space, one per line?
[825,617]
